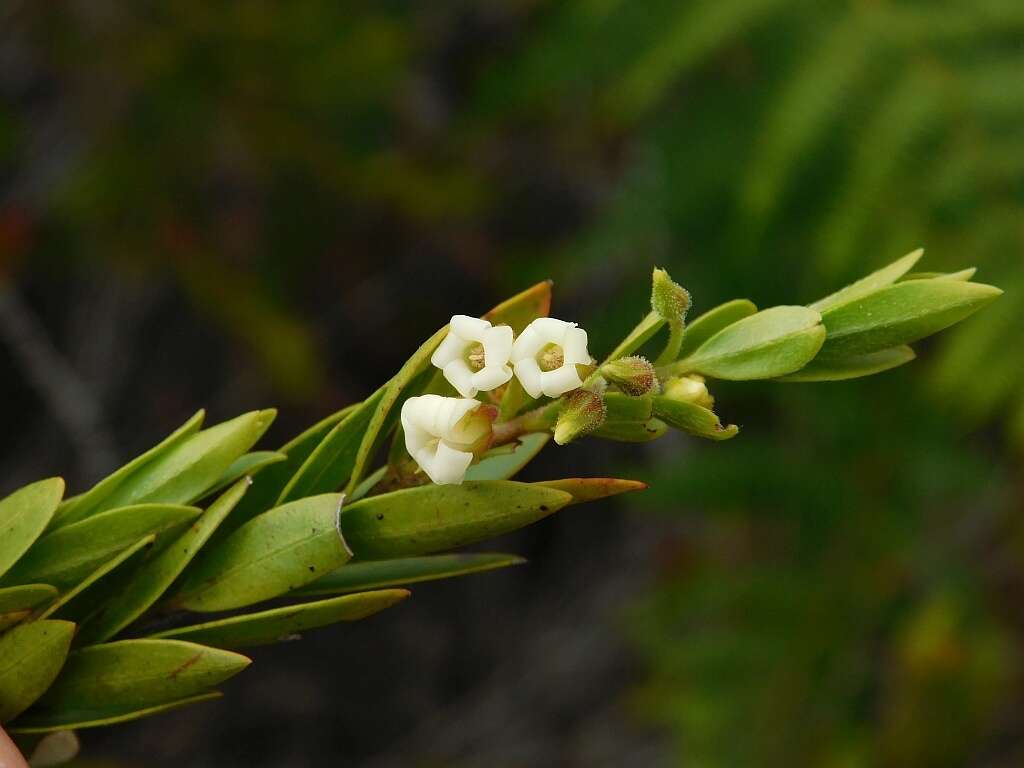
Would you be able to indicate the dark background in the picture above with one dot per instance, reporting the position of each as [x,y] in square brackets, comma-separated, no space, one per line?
[237,205]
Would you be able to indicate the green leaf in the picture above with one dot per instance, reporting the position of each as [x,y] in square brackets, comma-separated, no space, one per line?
[31,656]
[417,521]
[392,398]
[880,279]
[98,574]
[714,320]
[900,314]
[156,576]
[185,471]
[644,332]
[771,343]
[268,486]
[375,574]
[66,555]
[330,464]
[17,603]
[693,419]
[132,675]
[523,308]
[279,624]
[94,497]
[852,367]
[631,431]
[504,466]
[584,489]
[963,275]
[23,517]
[249,465]
[279,551]
[98,716]
[368,484]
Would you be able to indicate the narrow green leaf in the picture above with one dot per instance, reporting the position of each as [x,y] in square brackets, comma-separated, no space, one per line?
[392,398]
[375,574]
[279,624]
[368,484]
[693,419]
[95,496]
[584,489]
[880,279]
[640,335]
[98,574]
[852,367]
[771,343]
[523,308]
[17,603]
[631,431]
[714,320]
[269,484]
[964,275]
[25,596]
[417,521]
[67,555]
[248,465]
[279,551]
[506,465]
[98,716]
[330,464]
[23,517]
[150,582]
[185,471]
[900,314]
[31,656]
[130,675]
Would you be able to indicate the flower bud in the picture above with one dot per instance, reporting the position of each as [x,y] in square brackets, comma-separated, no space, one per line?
[583,411]
[634,375]
[689,389]
[632,431]
[669,299]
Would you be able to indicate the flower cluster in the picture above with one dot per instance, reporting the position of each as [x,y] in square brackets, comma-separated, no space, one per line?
[444,434]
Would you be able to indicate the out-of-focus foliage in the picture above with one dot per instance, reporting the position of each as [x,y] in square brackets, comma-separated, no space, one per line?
[770,148]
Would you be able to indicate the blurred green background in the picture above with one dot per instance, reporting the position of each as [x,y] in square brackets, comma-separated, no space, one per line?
[249,203]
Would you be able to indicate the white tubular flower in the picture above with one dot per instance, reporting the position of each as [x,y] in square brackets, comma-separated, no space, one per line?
[474,355]
[443,433]
[546,355]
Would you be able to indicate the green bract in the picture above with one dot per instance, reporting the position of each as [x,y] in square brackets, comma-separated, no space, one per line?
[205,522]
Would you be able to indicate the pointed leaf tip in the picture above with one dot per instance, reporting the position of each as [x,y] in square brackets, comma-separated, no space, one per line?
[583,489]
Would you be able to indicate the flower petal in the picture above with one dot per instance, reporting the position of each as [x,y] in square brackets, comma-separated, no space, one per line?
[469,328]
[449,465]
[416,437]
[551,329]
[452,347]
[491,377]
[497,345]
[574,346]
[560,380]
[460,376]
[527,344]
[529,374]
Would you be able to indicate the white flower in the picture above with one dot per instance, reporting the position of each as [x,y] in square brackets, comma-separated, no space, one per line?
[546,355]
[443,433]
[474,355]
